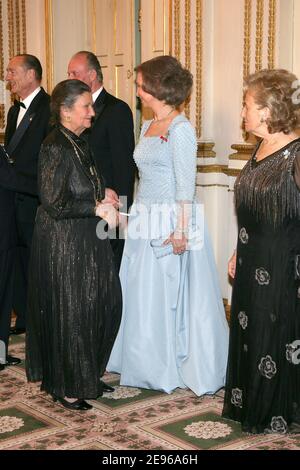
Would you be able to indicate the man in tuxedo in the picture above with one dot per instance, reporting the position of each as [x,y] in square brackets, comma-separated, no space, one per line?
[27,126]
[111,136]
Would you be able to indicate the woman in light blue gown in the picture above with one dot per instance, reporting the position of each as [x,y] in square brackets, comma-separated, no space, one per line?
[173,331]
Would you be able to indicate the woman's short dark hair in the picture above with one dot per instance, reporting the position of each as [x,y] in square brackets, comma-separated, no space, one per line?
[166,79]
[277,91]
[65,94]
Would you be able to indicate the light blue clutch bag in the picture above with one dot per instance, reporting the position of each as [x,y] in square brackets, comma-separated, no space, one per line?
[160,249]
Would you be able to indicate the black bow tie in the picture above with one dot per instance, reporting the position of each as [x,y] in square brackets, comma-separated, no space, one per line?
[19,104]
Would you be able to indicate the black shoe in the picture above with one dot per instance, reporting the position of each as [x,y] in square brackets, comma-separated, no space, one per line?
[17,331]
[2,367]
[12,361]
[106,388]
[75,405]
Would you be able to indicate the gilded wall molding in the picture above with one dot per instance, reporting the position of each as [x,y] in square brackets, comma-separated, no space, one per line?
[243,151]
[259,34]
[272,33]
[49,43]
[199,58]
[212,168]
[247,37]
[187,33]
[24,37]
[205,150]
[177,29]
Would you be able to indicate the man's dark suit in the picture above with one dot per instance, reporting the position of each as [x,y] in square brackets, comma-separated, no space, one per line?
[7,259]
[112,144]
[21,177]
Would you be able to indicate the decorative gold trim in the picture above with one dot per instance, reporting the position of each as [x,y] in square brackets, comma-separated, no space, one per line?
[247,37]
[272,32]
[199,57]
[243,151]
[205,150]
[18,28]
[211,168]
[232,171]
[49,43]
[170,27]
[177,29]
[187,34]
[212,186]
[259,34]
[24,28]
[10,28]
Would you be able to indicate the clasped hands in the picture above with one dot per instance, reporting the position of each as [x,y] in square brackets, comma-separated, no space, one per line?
[108,209]
[179,241]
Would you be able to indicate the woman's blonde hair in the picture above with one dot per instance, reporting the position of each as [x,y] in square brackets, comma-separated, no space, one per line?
[277,91]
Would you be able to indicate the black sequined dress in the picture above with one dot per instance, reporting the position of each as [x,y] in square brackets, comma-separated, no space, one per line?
[263,374]
[74,290]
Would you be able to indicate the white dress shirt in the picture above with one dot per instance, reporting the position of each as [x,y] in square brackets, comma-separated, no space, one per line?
[27,103]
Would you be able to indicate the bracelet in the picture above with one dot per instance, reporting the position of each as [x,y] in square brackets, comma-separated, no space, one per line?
[185,231]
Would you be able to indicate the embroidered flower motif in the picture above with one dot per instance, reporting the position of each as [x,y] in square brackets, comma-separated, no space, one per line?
[244,237]
[262,276]
[121,393]
[10,424]
[237,397]
[292,352]
[164,138]
[245,348]
[208,430]
[298,293]
[267,367]
[278,425]
[243,320]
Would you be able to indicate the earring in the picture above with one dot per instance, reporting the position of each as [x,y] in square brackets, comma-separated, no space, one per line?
[262,119]
[68,118]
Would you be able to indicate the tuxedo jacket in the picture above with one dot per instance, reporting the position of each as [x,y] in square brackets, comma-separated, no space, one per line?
[25,154]
[111,141]
[21,176]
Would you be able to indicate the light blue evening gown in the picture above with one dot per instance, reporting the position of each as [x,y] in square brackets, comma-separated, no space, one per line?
[173,331]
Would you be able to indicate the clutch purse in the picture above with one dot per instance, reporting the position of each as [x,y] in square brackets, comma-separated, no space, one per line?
[160,249]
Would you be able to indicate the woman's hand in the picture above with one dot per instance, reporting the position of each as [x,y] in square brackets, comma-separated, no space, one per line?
[111,197]
[108,213]
[179,242]
[232,265]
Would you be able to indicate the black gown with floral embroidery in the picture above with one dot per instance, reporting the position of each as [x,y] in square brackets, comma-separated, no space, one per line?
[263,374]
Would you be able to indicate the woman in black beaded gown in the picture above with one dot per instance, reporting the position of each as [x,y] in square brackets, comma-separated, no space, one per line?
[74,290]
[263,375]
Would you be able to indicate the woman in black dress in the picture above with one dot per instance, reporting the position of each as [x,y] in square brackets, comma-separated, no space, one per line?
[263,375]
[74,290]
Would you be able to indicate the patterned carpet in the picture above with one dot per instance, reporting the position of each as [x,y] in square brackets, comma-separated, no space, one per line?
[128,419]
